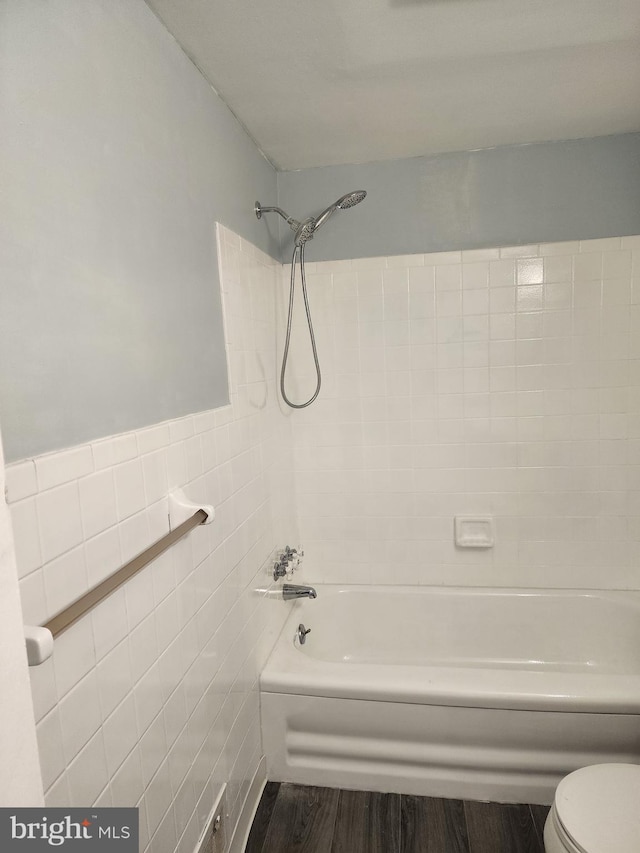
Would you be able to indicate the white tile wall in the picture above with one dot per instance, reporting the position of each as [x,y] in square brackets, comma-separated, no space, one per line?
[152,699]
[500,382]
[497,381]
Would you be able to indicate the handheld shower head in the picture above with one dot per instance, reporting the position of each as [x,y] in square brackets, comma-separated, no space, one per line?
[305,231]
[348,200]
[351,199]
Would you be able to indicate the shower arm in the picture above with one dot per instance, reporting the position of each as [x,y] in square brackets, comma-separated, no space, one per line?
[294,224]
[291,222]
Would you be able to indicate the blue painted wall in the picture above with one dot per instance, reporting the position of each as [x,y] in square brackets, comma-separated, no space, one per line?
[116,160]
[512,195]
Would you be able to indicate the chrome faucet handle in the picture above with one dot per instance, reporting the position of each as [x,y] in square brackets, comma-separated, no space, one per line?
[293,556]
[279,569]
[288,562]
[293,551]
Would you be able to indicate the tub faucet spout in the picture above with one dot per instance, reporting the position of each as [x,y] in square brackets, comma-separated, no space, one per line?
[293,590]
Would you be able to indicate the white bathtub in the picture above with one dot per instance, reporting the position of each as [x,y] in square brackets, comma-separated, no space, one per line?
[473,693]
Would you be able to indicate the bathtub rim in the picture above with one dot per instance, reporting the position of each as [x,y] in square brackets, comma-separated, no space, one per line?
[288,671]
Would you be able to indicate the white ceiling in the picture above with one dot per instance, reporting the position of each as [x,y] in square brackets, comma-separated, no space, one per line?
[320,82]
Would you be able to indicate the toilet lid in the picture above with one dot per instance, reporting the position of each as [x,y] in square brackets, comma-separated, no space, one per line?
[599,808]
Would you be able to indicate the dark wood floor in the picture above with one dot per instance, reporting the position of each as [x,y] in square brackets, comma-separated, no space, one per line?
[301,819]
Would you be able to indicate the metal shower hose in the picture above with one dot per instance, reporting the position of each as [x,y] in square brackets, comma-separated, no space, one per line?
[285,355]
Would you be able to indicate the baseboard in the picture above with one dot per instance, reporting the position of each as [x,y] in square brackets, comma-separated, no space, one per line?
[212,839]
[249,808]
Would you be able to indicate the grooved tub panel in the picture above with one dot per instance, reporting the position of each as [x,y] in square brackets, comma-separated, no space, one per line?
[467,753]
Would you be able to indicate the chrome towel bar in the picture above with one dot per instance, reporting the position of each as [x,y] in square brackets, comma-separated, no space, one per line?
[67,617]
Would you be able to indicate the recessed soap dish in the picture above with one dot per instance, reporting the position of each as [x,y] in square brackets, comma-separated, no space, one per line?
[474,531]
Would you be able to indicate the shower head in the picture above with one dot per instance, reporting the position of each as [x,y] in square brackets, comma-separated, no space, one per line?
[351,199]
[348,200]
[305,230]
